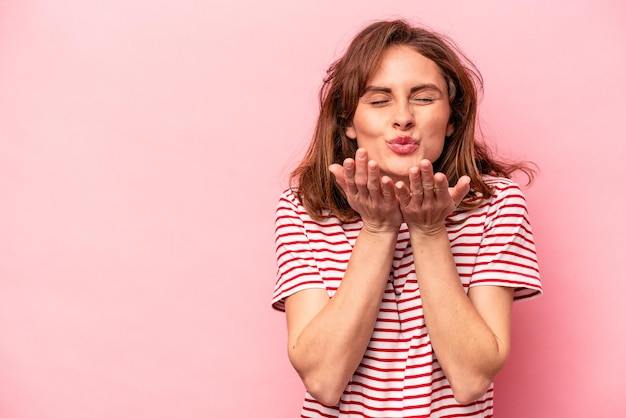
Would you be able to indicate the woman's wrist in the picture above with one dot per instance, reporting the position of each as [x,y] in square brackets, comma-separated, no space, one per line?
[380,230]
[432,232]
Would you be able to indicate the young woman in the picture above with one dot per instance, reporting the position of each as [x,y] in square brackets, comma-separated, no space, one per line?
[402,243]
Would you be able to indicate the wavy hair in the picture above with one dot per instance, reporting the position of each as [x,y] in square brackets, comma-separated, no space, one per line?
[345,83]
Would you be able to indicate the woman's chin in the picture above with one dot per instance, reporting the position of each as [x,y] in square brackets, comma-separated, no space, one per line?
[398,175]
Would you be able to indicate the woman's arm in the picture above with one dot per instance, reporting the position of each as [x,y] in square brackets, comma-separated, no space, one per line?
[328,337]
[470,334]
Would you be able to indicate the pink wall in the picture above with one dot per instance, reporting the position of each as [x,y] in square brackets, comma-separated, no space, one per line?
[143,145]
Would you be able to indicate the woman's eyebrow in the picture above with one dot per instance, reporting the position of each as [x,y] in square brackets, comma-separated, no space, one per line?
[427,86]
[414,89]
[377,89]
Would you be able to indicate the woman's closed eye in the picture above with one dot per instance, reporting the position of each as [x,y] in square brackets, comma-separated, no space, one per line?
[423,99]
[379,102]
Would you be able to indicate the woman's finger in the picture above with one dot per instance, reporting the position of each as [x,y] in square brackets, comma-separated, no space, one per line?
[460,190]
[373,178]
[415,183]
[338,172]
[440,187]
[403,194]
[388,192]
[428,181]
[348,170]
[361,171]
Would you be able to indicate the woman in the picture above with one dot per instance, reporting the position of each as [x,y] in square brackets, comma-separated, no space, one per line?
[402,244]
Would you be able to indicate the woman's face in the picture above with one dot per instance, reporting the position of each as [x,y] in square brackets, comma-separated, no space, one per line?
[404,115]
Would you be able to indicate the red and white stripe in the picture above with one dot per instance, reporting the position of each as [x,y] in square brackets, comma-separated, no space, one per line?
[399,375]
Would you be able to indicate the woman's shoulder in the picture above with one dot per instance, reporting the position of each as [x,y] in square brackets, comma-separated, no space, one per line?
[289,205]
[290,194]
[507,198]
[499,182]
[502,187]
[504,193]
[289,201]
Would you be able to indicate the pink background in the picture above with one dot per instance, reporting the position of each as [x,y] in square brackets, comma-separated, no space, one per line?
[143,145]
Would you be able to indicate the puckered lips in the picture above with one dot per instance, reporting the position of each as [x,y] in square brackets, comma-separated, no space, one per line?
[403,145]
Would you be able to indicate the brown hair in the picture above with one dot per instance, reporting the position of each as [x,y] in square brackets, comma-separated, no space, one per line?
[345,83]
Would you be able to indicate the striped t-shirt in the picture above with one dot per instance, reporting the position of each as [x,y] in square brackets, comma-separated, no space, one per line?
[399,375]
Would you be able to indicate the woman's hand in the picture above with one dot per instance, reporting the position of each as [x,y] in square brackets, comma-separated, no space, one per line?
[428,199]
[371,195]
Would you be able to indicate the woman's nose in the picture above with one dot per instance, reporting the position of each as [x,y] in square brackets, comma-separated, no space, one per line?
[403,117]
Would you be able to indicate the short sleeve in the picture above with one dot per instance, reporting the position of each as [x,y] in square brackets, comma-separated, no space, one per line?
[296,267]
[507,255]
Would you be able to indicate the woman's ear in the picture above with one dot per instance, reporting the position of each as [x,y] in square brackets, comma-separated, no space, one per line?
[350,132]
[449,129]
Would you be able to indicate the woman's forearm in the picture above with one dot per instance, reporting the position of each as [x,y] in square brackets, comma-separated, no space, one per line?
[329,348]
[469,351]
